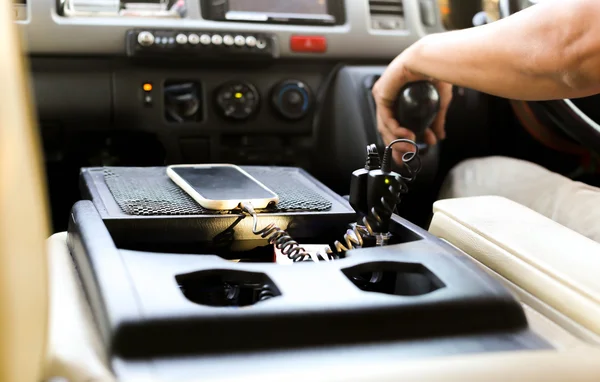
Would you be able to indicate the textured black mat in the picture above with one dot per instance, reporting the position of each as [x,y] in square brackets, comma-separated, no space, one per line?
[149,191]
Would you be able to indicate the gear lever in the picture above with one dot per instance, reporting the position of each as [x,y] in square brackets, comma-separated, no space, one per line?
[416,107]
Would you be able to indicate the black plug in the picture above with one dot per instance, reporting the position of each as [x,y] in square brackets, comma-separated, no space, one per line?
[384,188]
[358,183]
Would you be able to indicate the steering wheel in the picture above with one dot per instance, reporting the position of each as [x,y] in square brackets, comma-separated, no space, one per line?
[577,118]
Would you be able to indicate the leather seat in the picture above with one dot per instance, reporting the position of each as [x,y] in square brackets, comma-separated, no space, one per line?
[556,267]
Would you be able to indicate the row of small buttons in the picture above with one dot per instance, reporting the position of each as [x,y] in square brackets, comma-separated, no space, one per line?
[146,39]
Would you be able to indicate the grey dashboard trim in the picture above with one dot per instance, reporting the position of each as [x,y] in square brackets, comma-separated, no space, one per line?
[46,32]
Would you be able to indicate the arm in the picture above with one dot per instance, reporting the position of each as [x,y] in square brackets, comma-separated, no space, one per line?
[548,51]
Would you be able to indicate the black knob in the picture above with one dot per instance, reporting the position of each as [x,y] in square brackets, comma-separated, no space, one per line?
[417,107]
[291,99]
[182,102]
[237,100]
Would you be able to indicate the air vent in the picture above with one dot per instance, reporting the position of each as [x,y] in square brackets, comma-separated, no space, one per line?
[387,14]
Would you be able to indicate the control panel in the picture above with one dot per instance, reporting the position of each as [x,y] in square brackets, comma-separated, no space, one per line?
[202,44]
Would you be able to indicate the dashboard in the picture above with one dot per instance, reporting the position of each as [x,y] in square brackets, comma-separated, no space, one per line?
[352,28]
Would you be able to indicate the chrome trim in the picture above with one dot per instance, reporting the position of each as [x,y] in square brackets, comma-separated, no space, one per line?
[593,124]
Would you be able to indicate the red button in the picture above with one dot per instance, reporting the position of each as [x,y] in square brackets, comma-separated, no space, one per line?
[312,44]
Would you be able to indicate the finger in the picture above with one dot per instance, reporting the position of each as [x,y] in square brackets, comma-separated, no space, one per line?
[438,126]
[391,124]
[430,137]
[395,76]
[389,137]
[389,84]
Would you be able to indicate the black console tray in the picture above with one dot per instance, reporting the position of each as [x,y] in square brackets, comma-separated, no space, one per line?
[184,231]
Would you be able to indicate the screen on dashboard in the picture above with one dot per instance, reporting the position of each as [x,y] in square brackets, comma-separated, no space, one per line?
[262,10]
[312,7]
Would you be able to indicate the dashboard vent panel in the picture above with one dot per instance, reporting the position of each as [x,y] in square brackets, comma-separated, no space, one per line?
[387,14]
[386,7]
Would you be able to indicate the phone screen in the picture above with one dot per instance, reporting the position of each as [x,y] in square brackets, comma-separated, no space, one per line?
[222,183]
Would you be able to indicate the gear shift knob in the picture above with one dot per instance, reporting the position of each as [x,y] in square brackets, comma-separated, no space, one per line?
[417,107]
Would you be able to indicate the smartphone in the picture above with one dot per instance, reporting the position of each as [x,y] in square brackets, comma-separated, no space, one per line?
[221,186]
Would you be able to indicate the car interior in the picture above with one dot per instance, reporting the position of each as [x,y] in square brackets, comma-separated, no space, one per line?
[119,117]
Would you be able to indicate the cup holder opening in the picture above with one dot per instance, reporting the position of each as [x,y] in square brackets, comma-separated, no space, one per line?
[398,279]
[227,288]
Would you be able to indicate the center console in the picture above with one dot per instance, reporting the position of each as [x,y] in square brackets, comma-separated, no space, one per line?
[170,280]
[177,291]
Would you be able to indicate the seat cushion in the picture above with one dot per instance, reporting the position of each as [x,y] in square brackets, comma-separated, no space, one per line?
[554,263]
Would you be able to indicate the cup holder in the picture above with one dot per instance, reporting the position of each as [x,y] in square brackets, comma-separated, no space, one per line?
[227,288]
[398,279]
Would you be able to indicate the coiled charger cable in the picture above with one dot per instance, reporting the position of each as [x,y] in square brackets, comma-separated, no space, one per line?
[280,239]
[378,191]
[381,187]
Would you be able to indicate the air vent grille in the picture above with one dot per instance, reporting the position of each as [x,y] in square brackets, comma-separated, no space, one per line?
[387,14]
[386,7]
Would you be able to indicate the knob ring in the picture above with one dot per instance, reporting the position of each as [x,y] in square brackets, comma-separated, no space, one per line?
[290,85]
[222,106]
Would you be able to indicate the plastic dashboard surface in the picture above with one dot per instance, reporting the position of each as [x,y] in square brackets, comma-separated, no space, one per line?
[46,32]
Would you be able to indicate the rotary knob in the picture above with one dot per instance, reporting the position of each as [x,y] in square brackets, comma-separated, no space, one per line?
[237,100]
[291,99]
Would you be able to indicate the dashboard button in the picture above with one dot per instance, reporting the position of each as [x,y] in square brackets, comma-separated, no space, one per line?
[145,38]
[261,44]
[205,39]
[308,44]
[181,39]
[240,40]
[216,39]
[194,39]
[228,40]
[251,41]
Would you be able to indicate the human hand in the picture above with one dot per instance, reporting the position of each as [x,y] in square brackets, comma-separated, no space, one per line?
[385,92]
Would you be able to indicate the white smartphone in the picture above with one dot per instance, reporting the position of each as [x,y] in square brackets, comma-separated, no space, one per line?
[221,186]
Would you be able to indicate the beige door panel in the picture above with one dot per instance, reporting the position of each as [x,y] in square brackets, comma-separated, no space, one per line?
[23,218]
